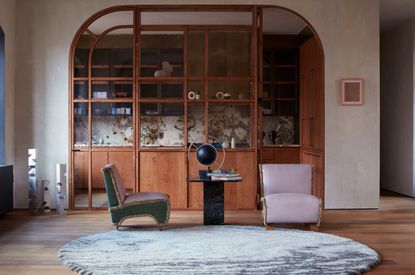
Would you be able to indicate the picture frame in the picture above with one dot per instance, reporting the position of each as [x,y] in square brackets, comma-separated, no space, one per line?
[351,91]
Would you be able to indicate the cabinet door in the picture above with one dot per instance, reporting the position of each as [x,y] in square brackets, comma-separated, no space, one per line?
[125,163]
[241,195]
[287,155]
[165,172]
[267,155]
[80,178]
[315,159]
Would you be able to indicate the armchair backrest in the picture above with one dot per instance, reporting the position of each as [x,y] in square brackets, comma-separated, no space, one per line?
[286,178]
[114,185]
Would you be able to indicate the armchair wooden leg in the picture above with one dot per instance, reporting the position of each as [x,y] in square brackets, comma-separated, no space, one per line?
[268,227]
[313,227]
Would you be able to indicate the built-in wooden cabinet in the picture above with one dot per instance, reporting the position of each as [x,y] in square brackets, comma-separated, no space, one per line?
[142,93]
[312,111]
[134,104]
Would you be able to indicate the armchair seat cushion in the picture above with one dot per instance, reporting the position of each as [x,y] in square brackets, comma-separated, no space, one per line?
[145,197]
[292,208]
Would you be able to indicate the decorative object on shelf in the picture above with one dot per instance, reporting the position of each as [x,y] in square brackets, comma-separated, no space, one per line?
[166,70]
[225,144]
[61,189]
[351,91]
[283,125]
[191,95]
[226,95]
[219,95]
[206,155]
[273,136]
[33,186]
[100,94]
[197,94]
[233,143]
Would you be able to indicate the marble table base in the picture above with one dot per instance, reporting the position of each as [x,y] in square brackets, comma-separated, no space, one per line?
[213,197]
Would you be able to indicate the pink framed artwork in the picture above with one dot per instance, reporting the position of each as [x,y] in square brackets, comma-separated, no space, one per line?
[351,91]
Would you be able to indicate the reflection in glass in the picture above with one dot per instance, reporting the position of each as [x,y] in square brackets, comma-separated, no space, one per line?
[162,124]
[229,54]
[161,54]
[81,55]
[112,89]
[80,113]
[113,55]
[196,123]
[196,54]
[161,90]
[230,89]
[231,121]
[80,89]
[112,124]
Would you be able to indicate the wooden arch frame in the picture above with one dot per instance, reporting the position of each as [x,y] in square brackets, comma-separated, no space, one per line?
[137,9]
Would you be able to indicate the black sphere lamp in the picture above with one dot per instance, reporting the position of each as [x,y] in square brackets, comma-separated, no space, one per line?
[206,155]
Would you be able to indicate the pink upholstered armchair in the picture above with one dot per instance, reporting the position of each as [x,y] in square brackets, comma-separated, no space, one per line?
[286,195]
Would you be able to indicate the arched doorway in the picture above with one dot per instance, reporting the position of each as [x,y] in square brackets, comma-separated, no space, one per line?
[123,111]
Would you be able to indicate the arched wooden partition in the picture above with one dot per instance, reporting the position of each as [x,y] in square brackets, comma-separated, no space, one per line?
[123,111]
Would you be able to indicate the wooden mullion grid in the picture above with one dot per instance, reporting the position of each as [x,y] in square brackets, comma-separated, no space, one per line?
[137,115]
[254,112]
[206,59]
[196,27]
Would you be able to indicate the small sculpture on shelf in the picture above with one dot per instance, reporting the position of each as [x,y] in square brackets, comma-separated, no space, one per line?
[166,70]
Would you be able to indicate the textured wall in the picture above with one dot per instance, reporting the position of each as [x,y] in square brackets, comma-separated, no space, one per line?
[397,103]
[348,29]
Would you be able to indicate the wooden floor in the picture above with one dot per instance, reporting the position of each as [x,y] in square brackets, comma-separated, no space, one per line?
[29,244]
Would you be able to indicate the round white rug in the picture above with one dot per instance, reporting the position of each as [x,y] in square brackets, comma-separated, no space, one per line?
[217,250]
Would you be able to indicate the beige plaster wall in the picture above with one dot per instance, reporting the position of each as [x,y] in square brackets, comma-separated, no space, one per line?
[349,30]
[397,104]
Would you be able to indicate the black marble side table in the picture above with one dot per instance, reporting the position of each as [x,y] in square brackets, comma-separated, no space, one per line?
[213,200]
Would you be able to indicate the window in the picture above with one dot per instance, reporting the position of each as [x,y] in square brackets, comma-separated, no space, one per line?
[2,126]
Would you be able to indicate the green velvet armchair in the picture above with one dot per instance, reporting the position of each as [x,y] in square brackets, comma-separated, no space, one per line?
[122,206]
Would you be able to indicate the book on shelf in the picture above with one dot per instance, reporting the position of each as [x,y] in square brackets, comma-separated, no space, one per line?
[225,178]
[224,173]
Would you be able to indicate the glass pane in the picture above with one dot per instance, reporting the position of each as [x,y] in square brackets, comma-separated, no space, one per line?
[278,130]
[229,54]
[80,125]
[196,123]
[112,89]
[230,89]
[196,54]
[266,91]
[196,18]
[112,124]
[195,90]
[285,57]
[80,180]
[285,107]
[284,74]
[161,90]
[113,55]
[80,89]
[162,124]
[285,91]
[81,55]
[161,54]
[231,121]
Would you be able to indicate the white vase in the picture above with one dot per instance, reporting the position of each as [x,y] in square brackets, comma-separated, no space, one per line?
[233,144]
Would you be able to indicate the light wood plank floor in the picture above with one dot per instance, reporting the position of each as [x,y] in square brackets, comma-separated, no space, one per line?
[29,244]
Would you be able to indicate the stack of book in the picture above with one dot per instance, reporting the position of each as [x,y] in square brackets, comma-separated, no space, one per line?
[225,175]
